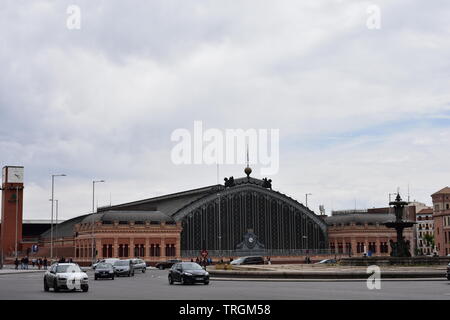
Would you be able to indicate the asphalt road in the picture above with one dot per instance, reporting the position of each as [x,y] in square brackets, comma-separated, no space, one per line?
[154,285]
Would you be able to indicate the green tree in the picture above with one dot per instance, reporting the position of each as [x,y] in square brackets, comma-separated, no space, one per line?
[429,239]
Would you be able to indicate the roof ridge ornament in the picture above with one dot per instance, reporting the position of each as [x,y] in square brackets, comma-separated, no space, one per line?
[248,170]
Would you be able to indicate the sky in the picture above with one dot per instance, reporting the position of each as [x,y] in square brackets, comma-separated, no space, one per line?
[360,111]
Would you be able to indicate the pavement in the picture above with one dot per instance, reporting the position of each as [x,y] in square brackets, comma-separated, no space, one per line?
[153,285]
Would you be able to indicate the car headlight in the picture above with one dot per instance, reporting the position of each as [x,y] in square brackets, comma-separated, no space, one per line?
[187,274]
[206,274]
[111,271]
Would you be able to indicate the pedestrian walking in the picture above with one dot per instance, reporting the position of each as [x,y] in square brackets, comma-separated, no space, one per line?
[16,262]
[33,262]
[22,263]
[45,263]
[26,262]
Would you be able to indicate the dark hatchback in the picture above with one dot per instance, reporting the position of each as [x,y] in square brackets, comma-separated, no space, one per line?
[188,272]
[104,270]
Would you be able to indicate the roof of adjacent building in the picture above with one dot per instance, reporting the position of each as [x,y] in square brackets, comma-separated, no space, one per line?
[116,215]
[65,229]
[425,211]
[445,190]
[360,218]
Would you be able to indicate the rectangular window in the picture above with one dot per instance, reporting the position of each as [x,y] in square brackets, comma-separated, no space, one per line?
[348,247]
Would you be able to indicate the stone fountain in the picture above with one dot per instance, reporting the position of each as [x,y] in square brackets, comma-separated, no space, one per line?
[401,248]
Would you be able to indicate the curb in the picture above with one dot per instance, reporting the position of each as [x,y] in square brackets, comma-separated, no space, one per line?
[324,280]
[325,275]
[21,272]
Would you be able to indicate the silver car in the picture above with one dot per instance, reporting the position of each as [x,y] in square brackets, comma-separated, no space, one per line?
[65,276]
[139,264]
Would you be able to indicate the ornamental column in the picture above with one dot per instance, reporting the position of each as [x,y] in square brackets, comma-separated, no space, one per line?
[163,247]
[146,248]
[116,248]
[131,250]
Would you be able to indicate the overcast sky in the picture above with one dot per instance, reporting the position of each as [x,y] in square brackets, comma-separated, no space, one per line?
[360,111]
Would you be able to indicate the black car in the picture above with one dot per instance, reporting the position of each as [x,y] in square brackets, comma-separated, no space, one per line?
[448,271]
[104,270]
[188,272]
[123,268]
[166,264]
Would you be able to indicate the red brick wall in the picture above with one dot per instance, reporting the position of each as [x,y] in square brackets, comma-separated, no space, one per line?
[8,225]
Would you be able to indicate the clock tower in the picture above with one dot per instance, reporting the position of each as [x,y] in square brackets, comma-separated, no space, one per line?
[12,209]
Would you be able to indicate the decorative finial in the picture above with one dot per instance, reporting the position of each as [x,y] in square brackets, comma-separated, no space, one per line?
[248,170]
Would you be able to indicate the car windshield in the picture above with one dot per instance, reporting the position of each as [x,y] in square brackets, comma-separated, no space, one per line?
[104,266]
[191,266]
[68,268]
[239,260]
[121,263]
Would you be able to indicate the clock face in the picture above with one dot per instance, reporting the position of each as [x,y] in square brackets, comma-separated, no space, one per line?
[15,174]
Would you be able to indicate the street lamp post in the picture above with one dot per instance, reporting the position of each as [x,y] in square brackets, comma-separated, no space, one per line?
[53,198]
[93,211]
[56,225]
[220,232]
[306,196]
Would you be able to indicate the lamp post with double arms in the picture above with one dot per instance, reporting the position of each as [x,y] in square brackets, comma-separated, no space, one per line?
[93,222]
[53,199]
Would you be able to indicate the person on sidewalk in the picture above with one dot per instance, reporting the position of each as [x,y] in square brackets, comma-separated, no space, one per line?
[45,263]
[16,262]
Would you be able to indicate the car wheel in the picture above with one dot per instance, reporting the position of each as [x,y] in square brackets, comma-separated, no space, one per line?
[55,286]
[182,280]
[95,278]
[160,267]
[206,282]
[129,274]
[85,288]
[170,280]
[112,278]
[45,285]
[143,270]
[448,277]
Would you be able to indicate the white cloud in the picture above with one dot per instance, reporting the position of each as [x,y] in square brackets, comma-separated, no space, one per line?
[101,102]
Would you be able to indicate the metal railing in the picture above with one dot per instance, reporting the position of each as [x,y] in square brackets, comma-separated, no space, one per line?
[265,252]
